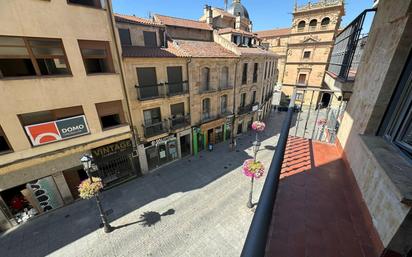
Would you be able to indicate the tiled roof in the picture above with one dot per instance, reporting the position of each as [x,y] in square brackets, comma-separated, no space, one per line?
[273,32]
[179,22]
[222,12]
[255,51]
[204,49]
[231,30]
[147,52]
[135,20]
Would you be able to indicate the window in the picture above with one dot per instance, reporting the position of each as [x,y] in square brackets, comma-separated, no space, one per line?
[255,72]
[21,56]
[97,57]
[301,25]
[177,110]
[149,39]
[223,104]
[91,3]
[253,97]
[266,70]
[397,124]
[224,77]
[312,24]
[236,39]
[325,22]
[174,80]
[269,69]
[244,74]
[50,115]
[111,114]
[302,79]
[206,106]
[205,79]
[4,144]
[299,96]
[147,80]
[243,100]
[306,54]
[124,35]
[152,116]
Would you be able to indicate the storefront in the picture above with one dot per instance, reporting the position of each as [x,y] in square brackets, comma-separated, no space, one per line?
[115,162]
[214,132]
[21,203]
[161,151]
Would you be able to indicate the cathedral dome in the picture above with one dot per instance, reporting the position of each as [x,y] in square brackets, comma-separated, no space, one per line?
[237,9]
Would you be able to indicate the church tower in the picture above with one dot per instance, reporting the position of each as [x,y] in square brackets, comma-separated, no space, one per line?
[311,39]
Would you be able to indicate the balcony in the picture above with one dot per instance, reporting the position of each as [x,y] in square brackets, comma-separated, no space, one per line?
[179,122]
[174,89]
[155,129]
[225,87]
[244,109]
[208,89]
[207,116]
[149,92]
[310,204]
[269,96]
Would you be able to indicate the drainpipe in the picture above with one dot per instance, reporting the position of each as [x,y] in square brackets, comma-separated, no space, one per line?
[122,78]
[195,147]
[232,141]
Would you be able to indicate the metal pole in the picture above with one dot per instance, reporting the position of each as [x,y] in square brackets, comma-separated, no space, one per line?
[307,118]
[317,116]
[106,225]
[249,203]
[300,111]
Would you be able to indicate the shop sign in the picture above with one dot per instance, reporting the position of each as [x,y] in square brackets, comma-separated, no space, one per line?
[124,146]
[58,130]
[163,140]
[255,107]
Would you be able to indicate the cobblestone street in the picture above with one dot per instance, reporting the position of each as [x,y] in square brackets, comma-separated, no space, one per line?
[192,207]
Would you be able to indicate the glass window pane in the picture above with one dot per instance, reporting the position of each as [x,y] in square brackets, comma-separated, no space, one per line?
[50,66]
[47,51]
[407,136]
[17,41]
[87,52]
[45,42]
[16,68]
[13,51]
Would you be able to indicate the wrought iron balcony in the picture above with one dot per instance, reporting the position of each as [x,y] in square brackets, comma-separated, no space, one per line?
[244,109]
[151,130]
[180,88]
[179,122]
[148,92]
[348,49]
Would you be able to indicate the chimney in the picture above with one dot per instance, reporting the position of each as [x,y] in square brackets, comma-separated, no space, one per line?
[209,15]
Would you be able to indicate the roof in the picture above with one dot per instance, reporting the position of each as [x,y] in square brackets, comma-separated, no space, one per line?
[222,12]
[255,51]
[135,20]
[179,22]
[231,30]
[204,49]
[151,52]
[273,32]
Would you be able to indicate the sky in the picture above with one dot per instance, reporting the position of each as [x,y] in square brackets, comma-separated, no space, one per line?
[265,14]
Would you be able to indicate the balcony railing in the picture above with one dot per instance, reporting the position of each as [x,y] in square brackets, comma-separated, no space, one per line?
[207,89]
[244,109]
[347,43]
[147,92]
[155,129]
[179,122]
[180,88]
[315,121]
[208,116]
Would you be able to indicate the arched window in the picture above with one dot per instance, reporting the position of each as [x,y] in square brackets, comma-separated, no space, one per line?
[301,25]
[206,106]
[312,24]
[325,22]
[223,104]
[224,77]
[205,76]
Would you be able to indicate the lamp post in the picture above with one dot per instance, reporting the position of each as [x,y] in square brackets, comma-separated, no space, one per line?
[87,162]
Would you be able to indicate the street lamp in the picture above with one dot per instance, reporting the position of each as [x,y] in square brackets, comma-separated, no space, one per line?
[87,161]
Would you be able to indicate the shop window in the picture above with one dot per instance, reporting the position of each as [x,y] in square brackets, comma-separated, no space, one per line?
[244,74]
[223,104]
[325,22]
[149,39]
[111,114]
[301,25]
[302,79]
[224,77]
[90,3]
[306,54]
[255,72]
[124,35]
[97,57]
[4,143]
[397,124]
[205,77]
[20,56]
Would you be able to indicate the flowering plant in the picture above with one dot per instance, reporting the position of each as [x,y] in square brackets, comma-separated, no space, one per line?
[258,126]
[321,122]
[253,169]
[88,189]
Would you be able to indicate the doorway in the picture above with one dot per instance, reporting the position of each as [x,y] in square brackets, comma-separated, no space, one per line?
[210,137]
[185,145]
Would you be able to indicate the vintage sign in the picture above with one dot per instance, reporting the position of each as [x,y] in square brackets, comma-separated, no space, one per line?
[53,131]
[124,146]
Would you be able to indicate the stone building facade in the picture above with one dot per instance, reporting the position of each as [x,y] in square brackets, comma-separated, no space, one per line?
[307,45]
[61,97]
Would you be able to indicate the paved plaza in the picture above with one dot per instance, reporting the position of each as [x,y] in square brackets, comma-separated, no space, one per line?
[192,207]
